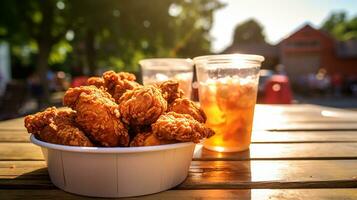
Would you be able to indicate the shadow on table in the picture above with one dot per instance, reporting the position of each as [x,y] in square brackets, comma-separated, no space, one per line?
[37,185]
[37,179]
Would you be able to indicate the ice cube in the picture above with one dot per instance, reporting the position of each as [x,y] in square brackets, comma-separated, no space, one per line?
[184,76]
[161,77]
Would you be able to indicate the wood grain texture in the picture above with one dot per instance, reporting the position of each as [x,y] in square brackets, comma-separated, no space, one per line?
[13,124]
[257,136]
[308,147]
[216,174]
[286,117]
[302,136]
[14,136]
[271,125]
[241,194]
[318,126]
[283,151]
[28,151]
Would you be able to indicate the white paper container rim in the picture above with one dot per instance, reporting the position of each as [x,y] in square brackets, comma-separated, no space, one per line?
[108,149]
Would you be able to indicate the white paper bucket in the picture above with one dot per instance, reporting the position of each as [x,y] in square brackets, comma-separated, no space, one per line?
[116,171]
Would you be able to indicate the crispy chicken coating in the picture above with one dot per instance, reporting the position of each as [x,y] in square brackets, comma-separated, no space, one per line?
[142,105]
[56,126]
[148,139]
[181,127]
[115,83]
[118,83]
[170,90]
[96,81]
[98,115]
[186,106]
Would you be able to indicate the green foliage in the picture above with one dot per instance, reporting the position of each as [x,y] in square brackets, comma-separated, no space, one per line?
[249,31]
[112,34]
[339,26]
[24,26]
[59,52]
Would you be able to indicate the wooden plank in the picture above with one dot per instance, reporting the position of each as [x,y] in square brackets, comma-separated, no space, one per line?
[217,174]
[302,136]
[14,136]
[307,115]
[242,194]
[272,174]
[20,151]
[257,136]
[263,124]
[280,117]
[268,125]
[300,108]
[260,124]
[13,124]
[271,125]
[28,151]
[283,151]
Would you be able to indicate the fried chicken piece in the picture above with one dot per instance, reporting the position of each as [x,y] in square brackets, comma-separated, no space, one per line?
[96,81]
[186,106]
[181,127]
[56,126]
[170,90]
[118,83]
[148,139]
[142,105]
[98,115]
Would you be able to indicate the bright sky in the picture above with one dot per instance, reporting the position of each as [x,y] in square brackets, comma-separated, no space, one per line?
[278,17]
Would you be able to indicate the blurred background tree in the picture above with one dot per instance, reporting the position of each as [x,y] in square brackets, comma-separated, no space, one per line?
[86,37]
[249,31]
[339,26]
[33,28]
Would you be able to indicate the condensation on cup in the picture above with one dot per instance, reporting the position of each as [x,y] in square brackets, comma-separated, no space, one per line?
[227,92]
[157,70]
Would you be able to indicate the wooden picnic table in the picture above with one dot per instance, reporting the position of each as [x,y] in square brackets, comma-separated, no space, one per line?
[297,152]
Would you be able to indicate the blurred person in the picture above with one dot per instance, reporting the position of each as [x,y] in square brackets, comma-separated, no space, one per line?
[303,84]
[1,79]
[35,87]
[322,82]
[311,83]
[351,84]
[79,81]
[336,84]
[62,82]
[280,69]
[51,80]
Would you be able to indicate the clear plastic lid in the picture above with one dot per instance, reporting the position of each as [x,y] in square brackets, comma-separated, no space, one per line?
[229,60]
[164,63]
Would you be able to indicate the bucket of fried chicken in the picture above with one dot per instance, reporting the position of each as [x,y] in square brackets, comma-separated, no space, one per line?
[117,138]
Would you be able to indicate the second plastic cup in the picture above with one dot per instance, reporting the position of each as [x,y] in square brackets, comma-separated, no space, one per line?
[157,70]
[227,92]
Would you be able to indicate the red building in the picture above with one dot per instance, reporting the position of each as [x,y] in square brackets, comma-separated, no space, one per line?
[308,50]
[305,52]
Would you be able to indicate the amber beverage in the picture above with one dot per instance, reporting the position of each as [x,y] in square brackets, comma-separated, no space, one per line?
[228,91]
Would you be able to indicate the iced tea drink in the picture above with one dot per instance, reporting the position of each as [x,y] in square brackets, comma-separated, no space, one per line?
[227,92]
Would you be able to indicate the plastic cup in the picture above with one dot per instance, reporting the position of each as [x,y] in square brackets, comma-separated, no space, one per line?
[227,92]
[157,70]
